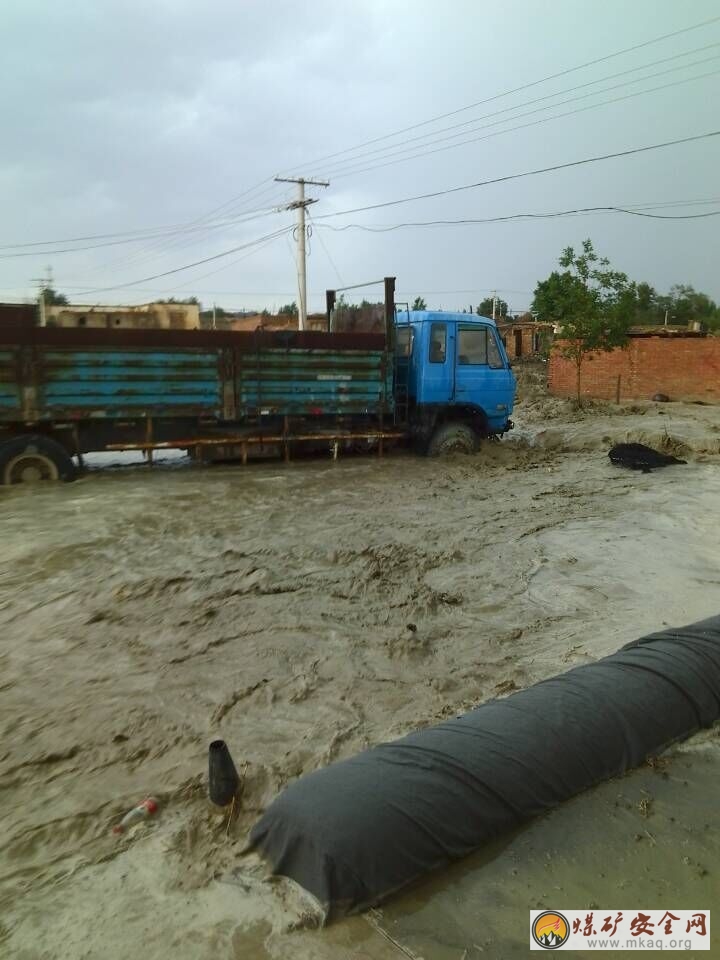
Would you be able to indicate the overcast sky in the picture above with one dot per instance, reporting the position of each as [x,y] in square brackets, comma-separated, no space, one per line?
[123,116]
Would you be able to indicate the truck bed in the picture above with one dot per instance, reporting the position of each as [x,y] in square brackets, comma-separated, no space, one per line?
[51,374]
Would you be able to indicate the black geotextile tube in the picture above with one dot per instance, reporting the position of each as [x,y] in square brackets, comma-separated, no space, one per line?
[361,829]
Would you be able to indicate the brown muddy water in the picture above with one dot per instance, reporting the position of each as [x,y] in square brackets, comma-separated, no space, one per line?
[144,613]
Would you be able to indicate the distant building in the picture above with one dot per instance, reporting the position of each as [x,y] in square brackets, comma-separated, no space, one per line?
[525,337]
[147,316]
[282,321]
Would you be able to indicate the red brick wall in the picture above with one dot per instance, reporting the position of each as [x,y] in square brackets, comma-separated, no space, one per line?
[681,367]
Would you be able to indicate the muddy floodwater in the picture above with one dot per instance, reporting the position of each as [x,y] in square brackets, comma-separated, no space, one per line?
[303,613]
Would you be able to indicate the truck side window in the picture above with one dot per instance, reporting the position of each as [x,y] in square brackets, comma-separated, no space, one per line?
[438,342]
[494,358]
[403,341]
[472,346]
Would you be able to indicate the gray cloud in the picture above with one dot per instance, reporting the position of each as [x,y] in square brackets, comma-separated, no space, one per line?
[125,115]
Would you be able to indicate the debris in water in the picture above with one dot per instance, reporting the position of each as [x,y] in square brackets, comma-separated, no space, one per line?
[637,456]
[142,811]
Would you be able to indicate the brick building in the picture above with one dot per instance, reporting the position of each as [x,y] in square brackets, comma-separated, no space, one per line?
[684,366]
[525,338]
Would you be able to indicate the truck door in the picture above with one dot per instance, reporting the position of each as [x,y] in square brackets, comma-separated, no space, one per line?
[481,376]
[437,370]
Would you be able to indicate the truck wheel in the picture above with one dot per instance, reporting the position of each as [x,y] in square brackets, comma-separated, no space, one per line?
[33,457]
[453,438]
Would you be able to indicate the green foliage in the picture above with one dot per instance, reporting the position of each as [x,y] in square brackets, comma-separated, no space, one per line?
[418,304]
[208,314]
[288,310]
[188,301]
[681,306]
[485,308]
[52,298]
[684,305]
[592,304]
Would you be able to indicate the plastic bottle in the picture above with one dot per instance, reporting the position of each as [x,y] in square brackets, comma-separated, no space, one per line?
[141,812]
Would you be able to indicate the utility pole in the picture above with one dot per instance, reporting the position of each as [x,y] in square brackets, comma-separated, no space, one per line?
[44,283]
[494,303]
[300,232]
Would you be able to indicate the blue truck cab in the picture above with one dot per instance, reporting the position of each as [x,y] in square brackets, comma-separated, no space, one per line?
[453,374]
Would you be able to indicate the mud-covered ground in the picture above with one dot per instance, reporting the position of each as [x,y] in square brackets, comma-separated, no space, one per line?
[303,612]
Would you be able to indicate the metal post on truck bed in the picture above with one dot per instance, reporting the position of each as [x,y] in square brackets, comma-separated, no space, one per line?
[149,440]
[330,296]
[390,312]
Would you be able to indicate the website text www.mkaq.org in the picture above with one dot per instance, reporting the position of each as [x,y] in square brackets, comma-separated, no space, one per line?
[639,944]
[636,930]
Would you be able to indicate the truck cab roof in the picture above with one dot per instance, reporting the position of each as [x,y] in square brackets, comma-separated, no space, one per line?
[440,316]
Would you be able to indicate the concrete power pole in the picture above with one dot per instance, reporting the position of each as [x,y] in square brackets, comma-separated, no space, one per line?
[44,283]
[300,230]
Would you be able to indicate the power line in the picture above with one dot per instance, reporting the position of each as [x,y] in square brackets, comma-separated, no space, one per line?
[327,254]
[255,215]
[154,251]
[144,233]
[387,228]
[255,249]
[532,123]
[527,173]
[188,266]
[550,106]
[437,293]
[525,86]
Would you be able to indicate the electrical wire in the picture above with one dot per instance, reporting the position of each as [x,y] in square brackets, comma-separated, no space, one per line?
[387,228]
[141,234]
[519,89]
[551,106]
[154,251]
[327,254]
[256,215]
[188,266]
[532,123]
[527,173]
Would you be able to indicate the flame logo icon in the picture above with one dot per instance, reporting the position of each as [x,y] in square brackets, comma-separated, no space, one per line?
[550,930]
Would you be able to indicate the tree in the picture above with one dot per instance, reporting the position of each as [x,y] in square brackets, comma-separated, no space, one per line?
[418,304]
[52,298]
[592,304]
[686,304]
[288,310]
[485,309]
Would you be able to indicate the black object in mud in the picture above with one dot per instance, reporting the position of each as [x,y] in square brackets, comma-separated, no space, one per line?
[636,456]
[223,778]
[359,830]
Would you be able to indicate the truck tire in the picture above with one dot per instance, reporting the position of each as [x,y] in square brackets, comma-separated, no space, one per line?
[33,457]
[453,438]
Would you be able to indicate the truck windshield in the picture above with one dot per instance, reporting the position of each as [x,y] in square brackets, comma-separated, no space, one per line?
[478,345]
[472,345]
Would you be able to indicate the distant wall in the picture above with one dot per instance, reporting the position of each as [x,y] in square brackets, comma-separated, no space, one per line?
[684,368]
[166,316]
